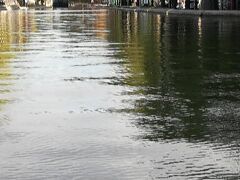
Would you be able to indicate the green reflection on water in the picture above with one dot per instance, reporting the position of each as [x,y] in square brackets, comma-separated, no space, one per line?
[183,69]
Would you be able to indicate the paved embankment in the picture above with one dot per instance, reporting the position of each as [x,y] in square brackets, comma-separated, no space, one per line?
[182,12]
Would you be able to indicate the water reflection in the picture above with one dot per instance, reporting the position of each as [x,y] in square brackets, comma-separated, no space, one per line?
[185,73]
[13,29]
[118,95]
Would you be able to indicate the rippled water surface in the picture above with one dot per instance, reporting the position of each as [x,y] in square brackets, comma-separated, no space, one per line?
[104,94]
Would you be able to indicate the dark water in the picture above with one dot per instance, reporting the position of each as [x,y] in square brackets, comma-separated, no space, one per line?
[100,94]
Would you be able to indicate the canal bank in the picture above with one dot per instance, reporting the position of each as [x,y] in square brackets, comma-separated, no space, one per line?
[166,11]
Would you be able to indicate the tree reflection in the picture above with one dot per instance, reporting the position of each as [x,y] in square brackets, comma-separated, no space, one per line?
[172,63]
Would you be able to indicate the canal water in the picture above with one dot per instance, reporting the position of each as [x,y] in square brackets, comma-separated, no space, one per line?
[106,94]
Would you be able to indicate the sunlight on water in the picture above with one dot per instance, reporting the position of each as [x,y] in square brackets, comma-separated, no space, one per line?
[103,94]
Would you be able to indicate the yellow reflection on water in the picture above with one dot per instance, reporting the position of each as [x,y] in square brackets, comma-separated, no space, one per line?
[101,24]
[14,28]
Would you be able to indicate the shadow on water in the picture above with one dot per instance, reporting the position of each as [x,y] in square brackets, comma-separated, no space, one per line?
[184,73]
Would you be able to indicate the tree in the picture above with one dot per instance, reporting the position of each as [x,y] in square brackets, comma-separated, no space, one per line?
[209,4]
